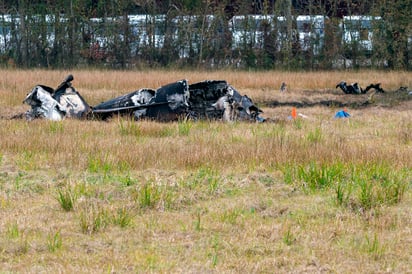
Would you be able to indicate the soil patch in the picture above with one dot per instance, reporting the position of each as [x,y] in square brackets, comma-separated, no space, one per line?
[329,98]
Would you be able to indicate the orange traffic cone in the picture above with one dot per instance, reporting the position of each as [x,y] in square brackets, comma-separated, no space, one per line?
[294,113]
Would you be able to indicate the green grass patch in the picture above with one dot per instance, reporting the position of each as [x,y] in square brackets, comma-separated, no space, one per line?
[54,241]
[360,187]
[97,164]
[288,237]
[315,135]
[314,176]
[184,127]
[56,127]
[67,196]
[374,247]
[13,231]
[129,127]
[92,218]
[151,195]
[122,217]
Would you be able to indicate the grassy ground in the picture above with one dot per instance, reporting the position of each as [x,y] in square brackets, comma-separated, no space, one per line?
[305,195]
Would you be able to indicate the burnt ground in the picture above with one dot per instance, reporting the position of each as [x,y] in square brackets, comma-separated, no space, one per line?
[332,98]
[277,106]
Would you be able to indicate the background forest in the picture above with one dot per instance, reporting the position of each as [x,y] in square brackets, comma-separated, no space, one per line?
[200,33]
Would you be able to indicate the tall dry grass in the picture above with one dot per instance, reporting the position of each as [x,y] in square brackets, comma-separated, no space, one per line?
[134,145]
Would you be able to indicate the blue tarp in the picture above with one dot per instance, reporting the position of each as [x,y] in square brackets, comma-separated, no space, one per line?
[342,114]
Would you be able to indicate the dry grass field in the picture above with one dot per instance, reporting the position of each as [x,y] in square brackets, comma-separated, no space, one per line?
[305,195]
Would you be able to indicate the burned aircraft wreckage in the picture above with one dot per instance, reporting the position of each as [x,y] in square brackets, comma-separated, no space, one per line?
[354,88]
[211,100]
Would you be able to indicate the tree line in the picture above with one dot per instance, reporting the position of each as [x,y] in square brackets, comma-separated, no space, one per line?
[83,33]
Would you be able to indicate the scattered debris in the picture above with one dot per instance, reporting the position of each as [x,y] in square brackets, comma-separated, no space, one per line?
[56,104]
[303,115]
[283,87]
[212,99]
[377,88]
[405,89]
[349,89]
[294,114]
[354,88]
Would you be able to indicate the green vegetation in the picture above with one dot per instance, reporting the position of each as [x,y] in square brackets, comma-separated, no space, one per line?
[54,241]
[13,231]
[92,217]
[66,198]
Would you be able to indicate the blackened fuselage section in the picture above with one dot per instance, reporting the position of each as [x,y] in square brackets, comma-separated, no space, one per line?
[204,95]
[170,102]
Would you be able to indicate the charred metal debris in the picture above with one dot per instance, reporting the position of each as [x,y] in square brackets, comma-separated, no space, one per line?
[210,100]
[354,88]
